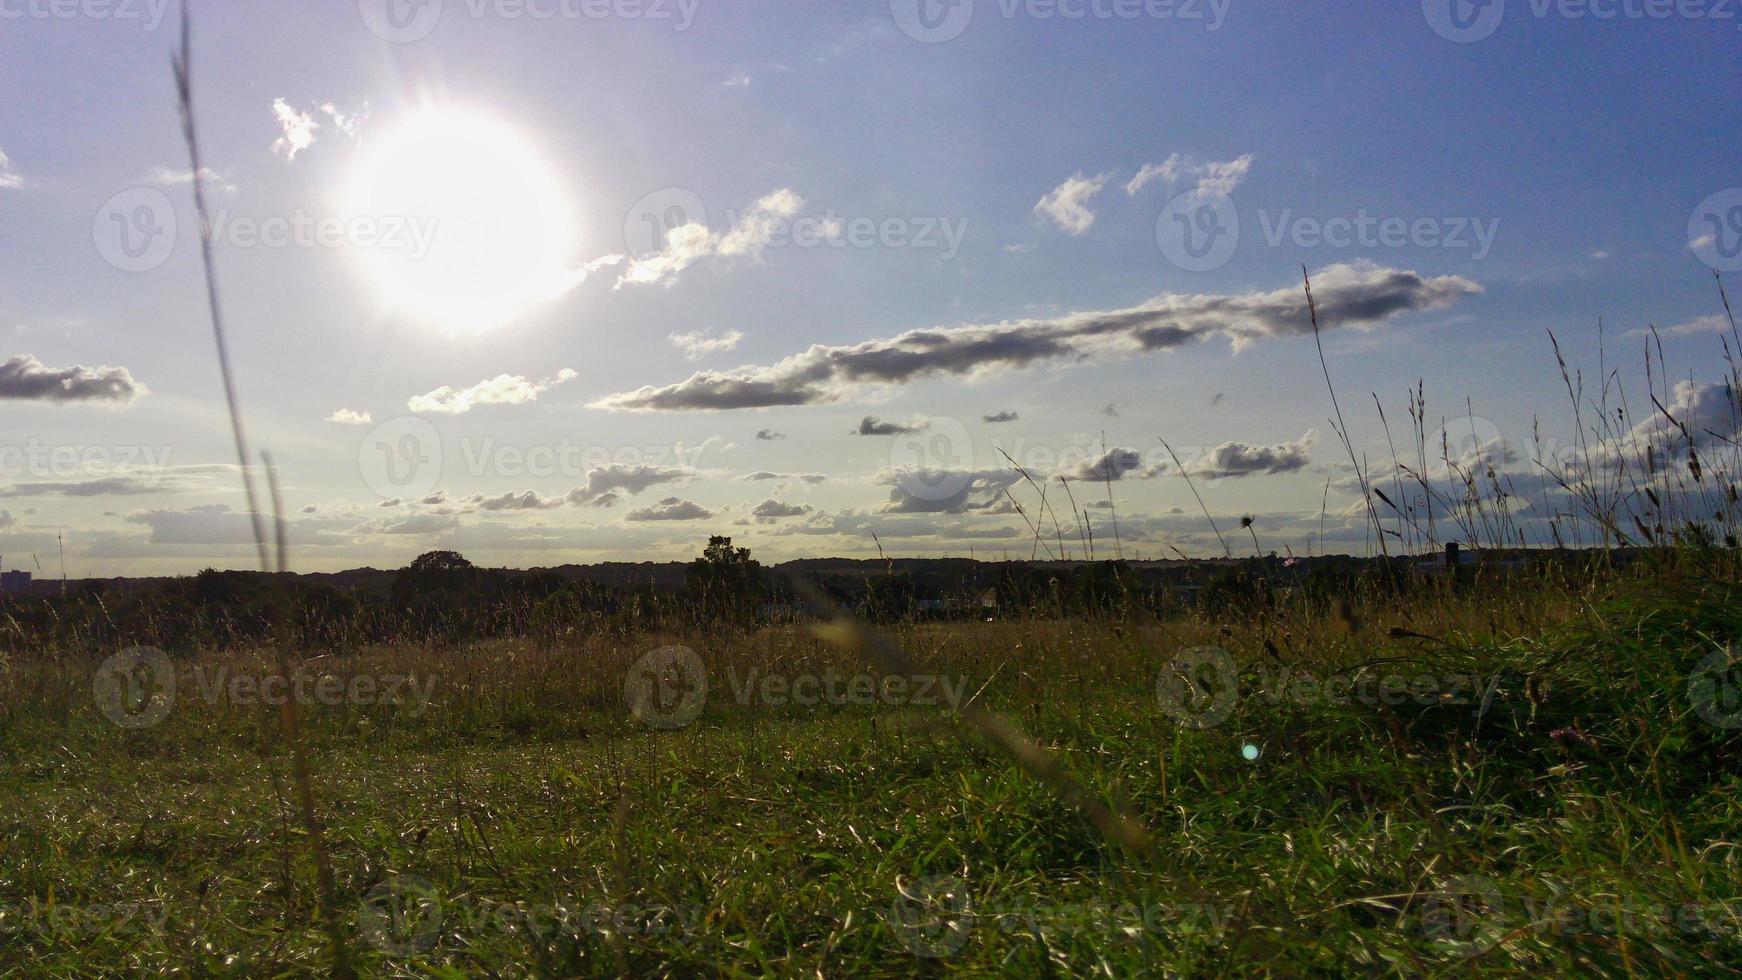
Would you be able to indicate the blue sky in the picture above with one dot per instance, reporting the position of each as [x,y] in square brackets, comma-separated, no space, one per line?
[1552,172]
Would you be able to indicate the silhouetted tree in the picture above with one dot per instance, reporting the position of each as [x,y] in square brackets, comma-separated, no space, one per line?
[725,581]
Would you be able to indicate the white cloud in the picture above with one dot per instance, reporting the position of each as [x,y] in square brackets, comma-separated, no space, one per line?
[1212,177]
[698,344]
[504,389]
[688,244]
[9,178]
[298,129]
[166,177]
[345,416]
[1711,323]
[1067,204]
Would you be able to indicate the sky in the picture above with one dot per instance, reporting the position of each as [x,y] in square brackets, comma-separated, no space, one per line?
[550,281]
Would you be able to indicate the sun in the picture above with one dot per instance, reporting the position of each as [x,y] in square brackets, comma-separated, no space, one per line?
[471,226]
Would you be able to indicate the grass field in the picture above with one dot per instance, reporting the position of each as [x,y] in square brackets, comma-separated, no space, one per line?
[1518,777]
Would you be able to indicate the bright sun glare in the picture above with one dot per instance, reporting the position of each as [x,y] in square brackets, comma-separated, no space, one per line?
[484,223]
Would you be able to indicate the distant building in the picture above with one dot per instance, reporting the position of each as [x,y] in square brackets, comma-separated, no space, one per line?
[14,581]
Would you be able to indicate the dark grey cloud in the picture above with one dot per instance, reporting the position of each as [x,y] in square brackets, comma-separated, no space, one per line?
[769,435]
[23,377]
[1004,416]
[1111,465]
[936,491]
[670,509]
[773,510]
[527,500]
[1359,295]
[871,425]
[604,482]
[1237,459]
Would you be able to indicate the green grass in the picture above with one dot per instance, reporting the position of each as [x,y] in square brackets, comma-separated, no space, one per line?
[1588,816]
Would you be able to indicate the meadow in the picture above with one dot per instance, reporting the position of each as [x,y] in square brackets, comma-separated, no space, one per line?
[1504,773]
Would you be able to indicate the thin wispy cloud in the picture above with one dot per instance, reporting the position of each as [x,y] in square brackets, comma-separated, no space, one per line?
[1711,323]
[698,344]
[761,475]
[1209,178]
[1358,295]
[504,389]
[168,177]
[688,244]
